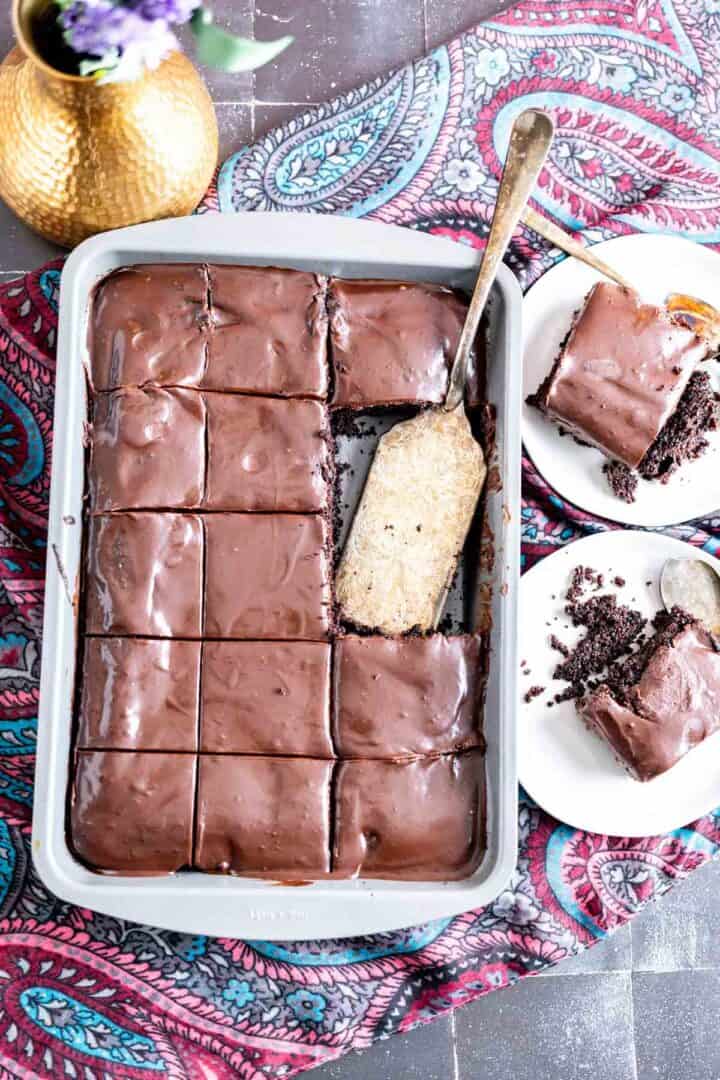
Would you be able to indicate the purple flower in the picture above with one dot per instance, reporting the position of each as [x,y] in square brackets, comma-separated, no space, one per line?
[174,12]
[122,40]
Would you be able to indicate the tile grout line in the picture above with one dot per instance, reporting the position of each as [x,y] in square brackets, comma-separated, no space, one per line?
[632,1009]
[453,1044]
[260,101]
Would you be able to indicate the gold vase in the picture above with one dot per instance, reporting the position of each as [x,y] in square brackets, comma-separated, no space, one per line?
[77,157]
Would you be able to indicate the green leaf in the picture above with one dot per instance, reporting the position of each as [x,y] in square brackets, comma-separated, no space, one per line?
[220,49]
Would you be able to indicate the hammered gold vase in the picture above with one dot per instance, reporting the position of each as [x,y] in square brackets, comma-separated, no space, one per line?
[77,157]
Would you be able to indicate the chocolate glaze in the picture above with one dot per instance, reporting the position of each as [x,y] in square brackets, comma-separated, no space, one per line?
[263,816]
[419,820]
[267,576]
[621,373]
[266,454]
[393,342]
[148,450]
[397,697]
[139,695]
[266,697]
[144,575]
[673,706]
[269,332]
[133,812]
[149,325]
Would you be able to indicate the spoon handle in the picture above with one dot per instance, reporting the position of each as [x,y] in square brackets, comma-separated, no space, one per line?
[530,140]
[560,239]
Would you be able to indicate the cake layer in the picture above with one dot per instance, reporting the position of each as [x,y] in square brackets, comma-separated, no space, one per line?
[405,696]
[133,812]
[266,454]
[149,325]
[147,450]
[263,816]
[393,342]
[268,576]
[674,703]
[140,695]
[266,698]
[417,820]
[269,330]
[145,575]
[621,373]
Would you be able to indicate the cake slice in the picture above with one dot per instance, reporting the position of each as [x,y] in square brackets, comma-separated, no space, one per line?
[663,700]
[625,382]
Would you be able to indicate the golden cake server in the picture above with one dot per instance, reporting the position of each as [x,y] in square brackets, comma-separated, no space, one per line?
[428,472]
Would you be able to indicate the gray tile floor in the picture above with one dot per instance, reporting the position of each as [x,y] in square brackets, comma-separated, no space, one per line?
[645,1003]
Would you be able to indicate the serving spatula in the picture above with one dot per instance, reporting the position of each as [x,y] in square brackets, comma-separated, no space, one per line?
[428,472]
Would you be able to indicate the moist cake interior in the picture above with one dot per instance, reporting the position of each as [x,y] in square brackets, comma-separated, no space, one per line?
[218,689]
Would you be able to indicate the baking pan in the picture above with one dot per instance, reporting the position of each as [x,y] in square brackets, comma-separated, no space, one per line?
[244,907]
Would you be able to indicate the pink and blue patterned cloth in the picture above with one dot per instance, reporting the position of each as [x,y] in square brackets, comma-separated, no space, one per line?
[634,87]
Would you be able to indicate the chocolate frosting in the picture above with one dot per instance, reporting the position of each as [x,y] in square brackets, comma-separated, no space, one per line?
[394,342]
[266,698]
[144,575]
[140,695]
[133,812]
[420,820]
[148,450]
[674,705]
[266,454]
[267,576]
[263,816]
[397,697]
[149,325]
[621,373]
[269,332]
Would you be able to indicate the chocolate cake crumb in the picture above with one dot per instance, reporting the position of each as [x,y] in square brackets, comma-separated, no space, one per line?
[619,581]
[559,646]
[622,480]
[611,631]
[533,692]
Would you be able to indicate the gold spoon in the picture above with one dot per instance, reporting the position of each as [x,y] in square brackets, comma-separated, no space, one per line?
[697,314]
[428,472]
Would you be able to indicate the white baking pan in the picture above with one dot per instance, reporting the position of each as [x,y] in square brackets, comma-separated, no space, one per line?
[244,907]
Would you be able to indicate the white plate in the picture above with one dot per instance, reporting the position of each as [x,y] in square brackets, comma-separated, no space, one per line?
[567,769]
[656,266]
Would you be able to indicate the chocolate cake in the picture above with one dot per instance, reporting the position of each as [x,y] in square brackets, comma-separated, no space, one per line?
[140,695]
[132,813]
[226,722]
[268,332]
[661,702]
[149,326]
[418,819]
[404,697]
[623,382]
[266,698]
[394,342]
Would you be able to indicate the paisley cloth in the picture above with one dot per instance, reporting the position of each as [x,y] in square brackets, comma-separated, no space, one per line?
[634,88]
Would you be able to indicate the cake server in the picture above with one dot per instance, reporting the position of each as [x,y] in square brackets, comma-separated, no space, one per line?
[428,472]
[693,585]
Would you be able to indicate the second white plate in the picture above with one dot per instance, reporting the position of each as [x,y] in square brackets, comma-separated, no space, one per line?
[656,265]
[566,768]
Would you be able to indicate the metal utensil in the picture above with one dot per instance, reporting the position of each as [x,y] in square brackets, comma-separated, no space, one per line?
[560,239]
[693,585]
[428,472]
[698,314]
